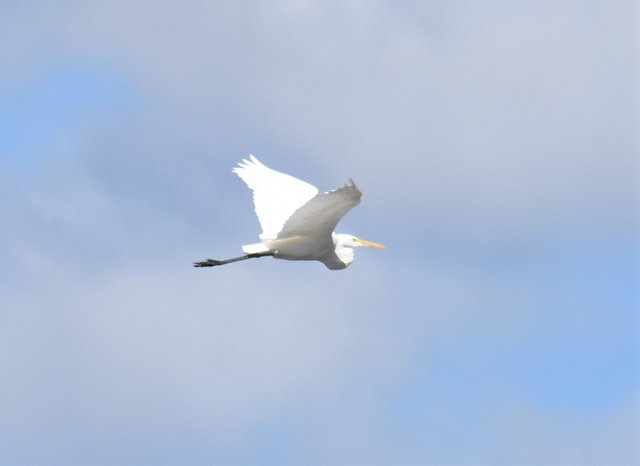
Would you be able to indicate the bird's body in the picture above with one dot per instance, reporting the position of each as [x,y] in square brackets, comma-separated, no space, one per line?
[293,248]
[297,220]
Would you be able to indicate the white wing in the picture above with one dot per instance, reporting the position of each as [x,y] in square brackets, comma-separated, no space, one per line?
[276,196]
[319,217]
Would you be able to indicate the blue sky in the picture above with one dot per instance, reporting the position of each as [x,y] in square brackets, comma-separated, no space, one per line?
[495,146]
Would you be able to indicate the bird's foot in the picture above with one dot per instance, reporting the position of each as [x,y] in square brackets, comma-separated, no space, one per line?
[208,263]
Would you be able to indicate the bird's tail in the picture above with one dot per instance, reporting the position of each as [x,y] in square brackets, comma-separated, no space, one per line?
[255,248]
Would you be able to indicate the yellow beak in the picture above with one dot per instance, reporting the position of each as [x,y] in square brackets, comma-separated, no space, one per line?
[370,243]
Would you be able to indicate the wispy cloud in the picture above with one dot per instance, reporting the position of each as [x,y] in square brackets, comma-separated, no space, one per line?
[494,145]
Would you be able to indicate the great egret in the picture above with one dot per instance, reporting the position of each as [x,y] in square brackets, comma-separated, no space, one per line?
[297,221]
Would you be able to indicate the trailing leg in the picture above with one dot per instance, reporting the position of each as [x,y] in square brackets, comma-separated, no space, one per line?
[215,262]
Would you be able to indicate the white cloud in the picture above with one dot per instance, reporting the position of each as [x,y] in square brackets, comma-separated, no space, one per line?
[479,144]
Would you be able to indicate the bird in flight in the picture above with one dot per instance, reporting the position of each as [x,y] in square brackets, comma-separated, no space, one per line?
[297,220]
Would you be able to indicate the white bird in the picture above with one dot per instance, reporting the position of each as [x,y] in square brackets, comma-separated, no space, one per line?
[297,220]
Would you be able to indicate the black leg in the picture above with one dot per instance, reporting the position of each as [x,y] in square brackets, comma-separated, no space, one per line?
[215,262]
[208,263]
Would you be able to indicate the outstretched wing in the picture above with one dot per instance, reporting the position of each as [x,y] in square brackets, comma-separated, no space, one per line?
[276,196]
[319,217]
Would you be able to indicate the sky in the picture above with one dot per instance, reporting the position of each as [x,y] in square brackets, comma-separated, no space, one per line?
[495,144]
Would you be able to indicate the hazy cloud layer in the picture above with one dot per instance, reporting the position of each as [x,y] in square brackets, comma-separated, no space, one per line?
[494,143]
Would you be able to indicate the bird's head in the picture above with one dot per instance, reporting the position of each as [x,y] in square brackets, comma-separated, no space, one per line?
[346,243]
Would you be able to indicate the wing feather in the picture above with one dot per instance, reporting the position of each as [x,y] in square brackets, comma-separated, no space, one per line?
[318,217]
[276,195]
